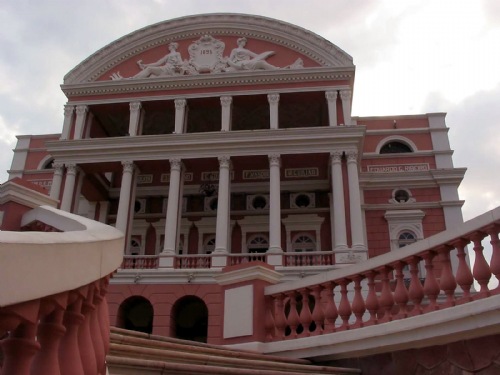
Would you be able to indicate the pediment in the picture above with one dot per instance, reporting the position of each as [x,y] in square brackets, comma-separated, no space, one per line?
[209,44]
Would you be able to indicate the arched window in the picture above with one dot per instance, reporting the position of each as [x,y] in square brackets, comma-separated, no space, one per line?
[303,243]
[136,313]
[209,245]
[405,238]
[395,147]
[258,243]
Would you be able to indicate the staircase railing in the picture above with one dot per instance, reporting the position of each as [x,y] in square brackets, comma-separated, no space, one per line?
[53,311]
[389,287]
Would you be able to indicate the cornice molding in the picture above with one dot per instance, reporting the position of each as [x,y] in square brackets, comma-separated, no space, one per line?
[290,36]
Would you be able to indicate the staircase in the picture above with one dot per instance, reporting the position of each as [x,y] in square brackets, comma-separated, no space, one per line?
[139,353]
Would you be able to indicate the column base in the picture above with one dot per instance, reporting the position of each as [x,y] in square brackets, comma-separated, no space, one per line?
[167,259]
[219,260]
[275,259]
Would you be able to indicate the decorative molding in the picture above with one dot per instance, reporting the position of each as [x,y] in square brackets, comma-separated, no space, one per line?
[135,106]
[273,98]
[68,110]
[175,163]
[274,160]
[352,156]
[71,168]
[81,110]
[331,95]
[226,101]
[224,161]
[180,103]
[336,157]
[345,94]
[128,166]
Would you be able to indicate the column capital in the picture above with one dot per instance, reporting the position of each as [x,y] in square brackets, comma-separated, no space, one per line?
[352,156]
[175,163]
[135,106]
[71,168]
[224,161]
[128,166]
[180,103]
[273,98]
[226,101]
[336,156]
[274,160]
[81,109]
[331,95]
[345,94]
[58,167]
[68,110]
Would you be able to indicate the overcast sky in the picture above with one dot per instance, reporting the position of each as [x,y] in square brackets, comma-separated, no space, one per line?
[410,56]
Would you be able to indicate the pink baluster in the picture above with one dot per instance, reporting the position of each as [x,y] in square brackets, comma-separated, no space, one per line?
[50,332]
[269,323]
[431,286]
[400,293]
[104,315]
[416,291]
[70,361]
[87,351]
[331,313]
[358,304]
[280,318]
[293,316]
[96,330]
[464,275]
[371,299]
[386,300]
[344,306]
[481,270]
[318,316]
[447,280]
[495,256]
[19,350]
[305,312]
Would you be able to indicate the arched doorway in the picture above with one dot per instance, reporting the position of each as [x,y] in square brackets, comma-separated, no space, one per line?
[136,314]
[190,319]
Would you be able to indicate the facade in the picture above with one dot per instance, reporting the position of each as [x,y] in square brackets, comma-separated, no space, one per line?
[216,140]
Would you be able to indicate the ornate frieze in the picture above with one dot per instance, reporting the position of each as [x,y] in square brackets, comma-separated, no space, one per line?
[206,56]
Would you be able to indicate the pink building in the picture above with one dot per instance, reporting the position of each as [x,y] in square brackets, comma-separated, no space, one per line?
[213,141]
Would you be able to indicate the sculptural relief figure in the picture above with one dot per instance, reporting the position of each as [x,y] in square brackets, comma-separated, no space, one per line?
[244,59]
[170,64]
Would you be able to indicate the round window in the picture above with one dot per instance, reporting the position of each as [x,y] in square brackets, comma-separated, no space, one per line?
[302,201]
[259,202]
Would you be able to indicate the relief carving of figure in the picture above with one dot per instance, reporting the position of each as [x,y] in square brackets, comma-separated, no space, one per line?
[168,65]
[244,59]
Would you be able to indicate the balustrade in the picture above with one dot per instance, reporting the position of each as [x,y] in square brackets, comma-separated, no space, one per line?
[381,293]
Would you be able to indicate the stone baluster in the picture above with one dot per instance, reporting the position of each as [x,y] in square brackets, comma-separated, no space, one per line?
[344,305]
[97,338]
[104,314]
[447,281]
[70,361]
[371,298]
[400,292]
[293,316]
[87,350]
[318,315]
[464,275]
[416,290]
[280,317]
[386,300]
[431,286]
[495,256]
[305,312]
[481,270]
[19,349]
[358,304]
[269,322]
[49,334]
[331,312]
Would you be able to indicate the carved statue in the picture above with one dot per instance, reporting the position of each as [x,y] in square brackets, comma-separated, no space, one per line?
[169,65]
[244,59]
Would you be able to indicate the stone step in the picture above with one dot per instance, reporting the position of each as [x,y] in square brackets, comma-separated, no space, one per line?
[140,353]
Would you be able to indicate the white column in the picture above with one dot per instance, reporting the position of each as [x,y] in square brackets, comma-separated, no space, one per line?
[358,242]
[331,99]
[273,100]
[68,118]
[69,187]
[274,204]
[81,116]
[180,114]
[345,95]
[225,102]
[55,188]
[135,115]
[339,224]
[223,208]
[171,222]
[122,217]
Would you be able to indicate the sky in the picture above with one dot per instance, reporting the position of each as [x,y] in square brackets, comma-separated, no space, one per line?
[413,56]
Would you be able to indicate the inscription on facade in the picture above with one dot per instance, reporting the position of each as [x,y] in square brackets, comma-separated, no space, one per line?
[165,177]
[145,179]
[301,172]
[42,183]
[256,174]
[213,176]
[398,168]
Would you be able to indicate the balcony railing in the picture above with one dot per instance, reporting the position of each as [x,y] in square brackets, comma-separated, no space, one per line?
[53,311]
